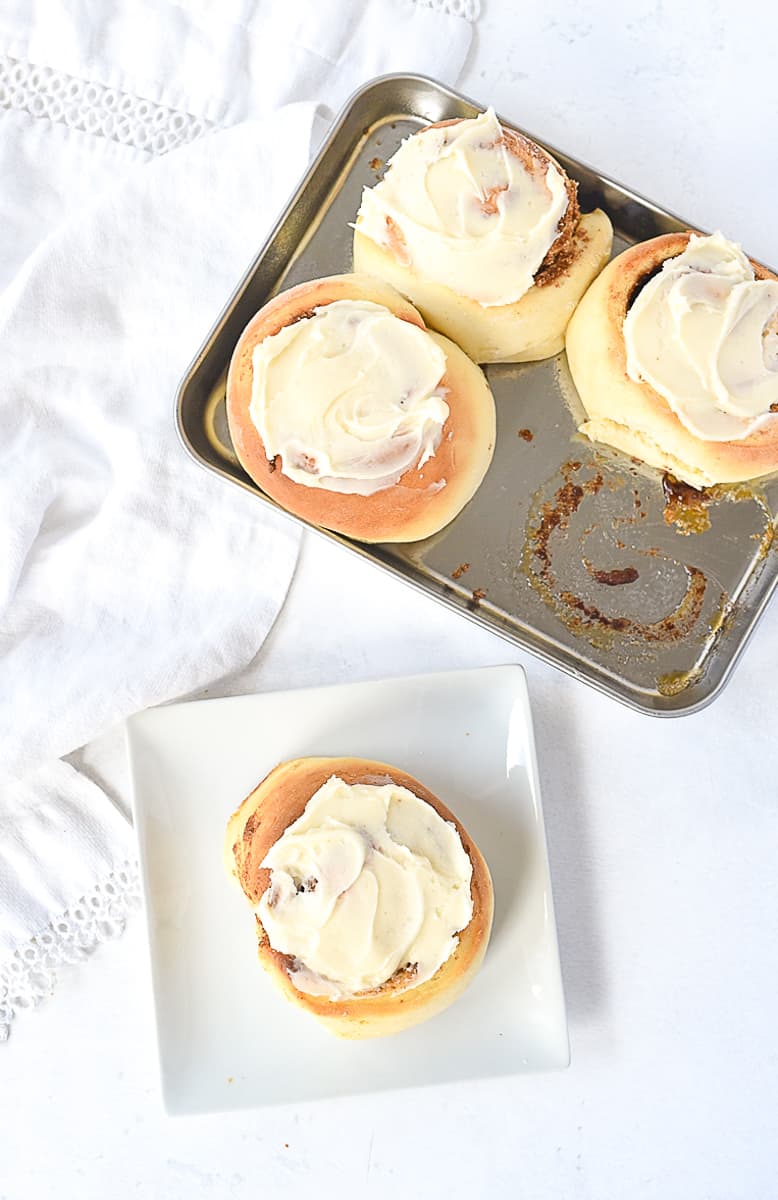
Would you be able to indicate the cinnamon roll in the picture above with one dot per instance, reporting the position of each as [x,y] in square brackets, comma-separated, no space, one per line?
[481,229]
[373,906]
[349,413]
[674,352]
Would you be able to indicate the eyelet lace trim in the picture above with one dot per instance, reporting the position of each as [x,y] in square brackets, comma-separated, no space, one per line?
[30,975]
[121,116]
[93,108]
[469,9]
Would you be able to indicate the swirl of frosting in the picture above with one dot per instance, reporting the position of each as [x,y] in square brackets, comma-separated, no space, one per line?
[704,334]
[368,882]
[467,210]
[349,398]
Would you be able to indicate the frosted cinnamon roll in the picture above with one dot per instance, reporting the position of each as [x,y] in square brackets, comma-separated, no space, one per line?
[481,229]
[373,906]
[674,352]
[349,413]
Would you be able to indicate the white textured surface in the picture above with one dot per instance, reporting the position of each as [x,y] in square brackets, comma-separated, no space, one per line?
[662,834]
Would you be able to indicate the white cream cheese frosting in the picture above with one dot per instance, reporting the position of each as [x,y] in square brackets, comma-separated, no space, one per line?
[368,881]
[704,334]
[350,398]
[470,213]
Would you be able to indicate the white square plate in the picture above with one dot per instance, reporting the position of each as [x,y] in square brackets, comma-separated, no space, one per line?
[227,1038]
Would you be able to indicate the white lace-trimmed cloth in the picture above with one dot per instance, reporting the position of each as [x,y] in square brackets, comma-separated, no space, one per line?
[94,108]
[55,812]
[86,101]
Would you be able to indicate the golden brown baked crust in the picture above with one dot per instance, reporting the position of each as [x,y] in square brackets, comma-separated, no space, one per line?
[531,328]
[422,501]
[632,416]
[258,824]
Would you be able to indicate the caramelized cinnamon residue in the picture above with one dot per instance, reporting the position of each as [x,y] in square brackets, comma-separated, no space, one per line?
[526,435]
[615,578]
[671,628]
[583,615]
[556,514]
[674,682]
[685,507]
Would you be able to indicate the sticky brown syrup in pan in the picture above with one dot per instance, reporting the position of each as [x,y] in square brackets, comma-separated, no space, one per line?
[615,578]
[686,507]
[597,614]
[547,531]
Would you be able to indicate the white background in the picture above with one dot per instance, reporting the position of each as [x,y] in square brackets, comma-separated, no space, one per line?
[662,834]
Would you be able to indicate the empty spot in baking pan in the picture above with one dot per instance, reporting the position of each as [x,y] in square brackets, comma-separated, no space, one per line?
[576,564]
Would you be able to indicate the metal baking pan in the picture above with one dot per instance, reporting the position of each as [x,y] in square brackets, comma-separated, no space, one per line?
[572,552]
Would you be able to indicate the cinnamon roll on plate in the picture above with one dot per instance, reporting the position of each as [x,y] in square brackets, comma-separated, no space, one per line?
[674,352]
[481,229]
[346,410]
[373,906]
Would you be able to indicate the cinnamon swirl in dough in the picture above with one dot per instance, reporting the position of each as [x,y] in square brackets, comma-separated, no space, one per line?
[481,229]
[349,413]
[373,906]
[674,352]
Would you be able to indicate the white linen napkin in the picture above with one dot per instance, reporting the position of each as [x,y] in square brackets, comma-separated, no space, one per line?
[88,90]
[128,576]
